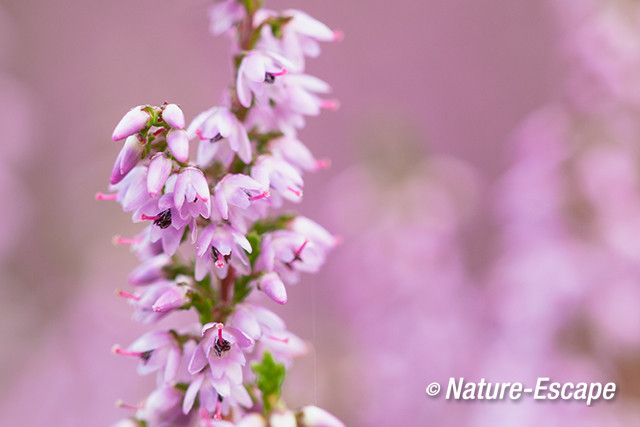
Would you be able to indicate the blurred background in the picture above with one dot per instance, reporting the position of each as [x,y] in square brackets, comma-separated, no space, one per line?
[485,180]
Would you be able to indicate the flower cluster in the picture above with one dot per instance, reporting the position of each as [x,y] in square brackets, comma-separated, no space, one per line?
[211,239]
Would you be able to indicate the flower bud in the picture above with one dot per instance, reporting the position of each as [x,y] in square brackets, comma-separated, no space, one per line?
[283,419]
[173,116]
[171,299]
[127,158]
[179,144]
[272,285]
[312,416]
[133,122]
[159,171]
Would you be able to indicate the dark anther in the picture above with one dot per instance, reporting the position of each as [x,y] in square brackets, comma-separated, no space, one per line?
[221,346]
[216,138]
[164,219]
[220,398]
[269,78]
[215,253]
[145,356]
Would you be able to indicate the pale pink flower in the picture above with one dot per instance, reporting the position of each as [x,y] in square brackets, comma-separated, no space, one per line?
[159,170]
[191,194]
[221,136]
[275,173]
[223,15]
[256,69]
[157,351]
[220,245]
[127,158]
[173,116]
[133,122]
[178,142]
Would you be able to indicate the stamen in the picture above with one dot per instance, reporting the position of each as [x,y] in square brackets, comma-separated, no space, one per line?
[121,404]
[260,196]
[282,340]
[216,138]
[221,345]
[127,295]
[117,350]
[217,257]
[119,240]
[299,251]
[218,414]
[162,220]
[104,196]
[150,218]
[330,104]
[271,77]
[294,191]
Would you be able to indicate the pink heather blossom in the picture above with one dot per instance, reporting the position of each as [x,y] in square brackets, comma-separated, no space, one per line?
[287,253]
[221,349]
[312,416]
[277,174]
[294,152]
[191,194]
[272,286]
[131,191]
[127,158]
[159,170]
[223,15]
[235,194]
[221,136]
[173,116]
[217,244]
[149,270]
[178,142]
[157,351]
[133,122]
[162,407]
[256,69]
[146,298]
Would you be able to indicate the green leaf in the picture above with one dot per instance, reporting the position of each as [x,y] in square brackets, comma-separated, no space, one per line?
[269,379]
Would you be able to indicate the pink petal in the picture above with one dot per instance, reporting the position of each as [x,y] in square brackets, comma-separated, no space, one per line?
[178,142]
[132,122]
[173,116]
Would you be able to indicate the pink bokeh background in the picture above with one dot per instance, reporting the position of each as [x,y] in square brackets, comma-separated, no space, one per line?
[451,265]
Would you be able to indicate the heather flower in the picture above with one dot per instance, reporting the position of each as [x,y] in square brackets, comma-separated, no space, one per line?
[133,122]
[127,158]
[217,244]
[277,174]
[223,15]
[159,170]
[294,152]
[256,69]
[157,351]
[221,349]
[191,194]
[271,284]
[235,194]
[221,136]
[178,142]
[154,301]
[312,416]
[173,116]
[131,191]
[287,253]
